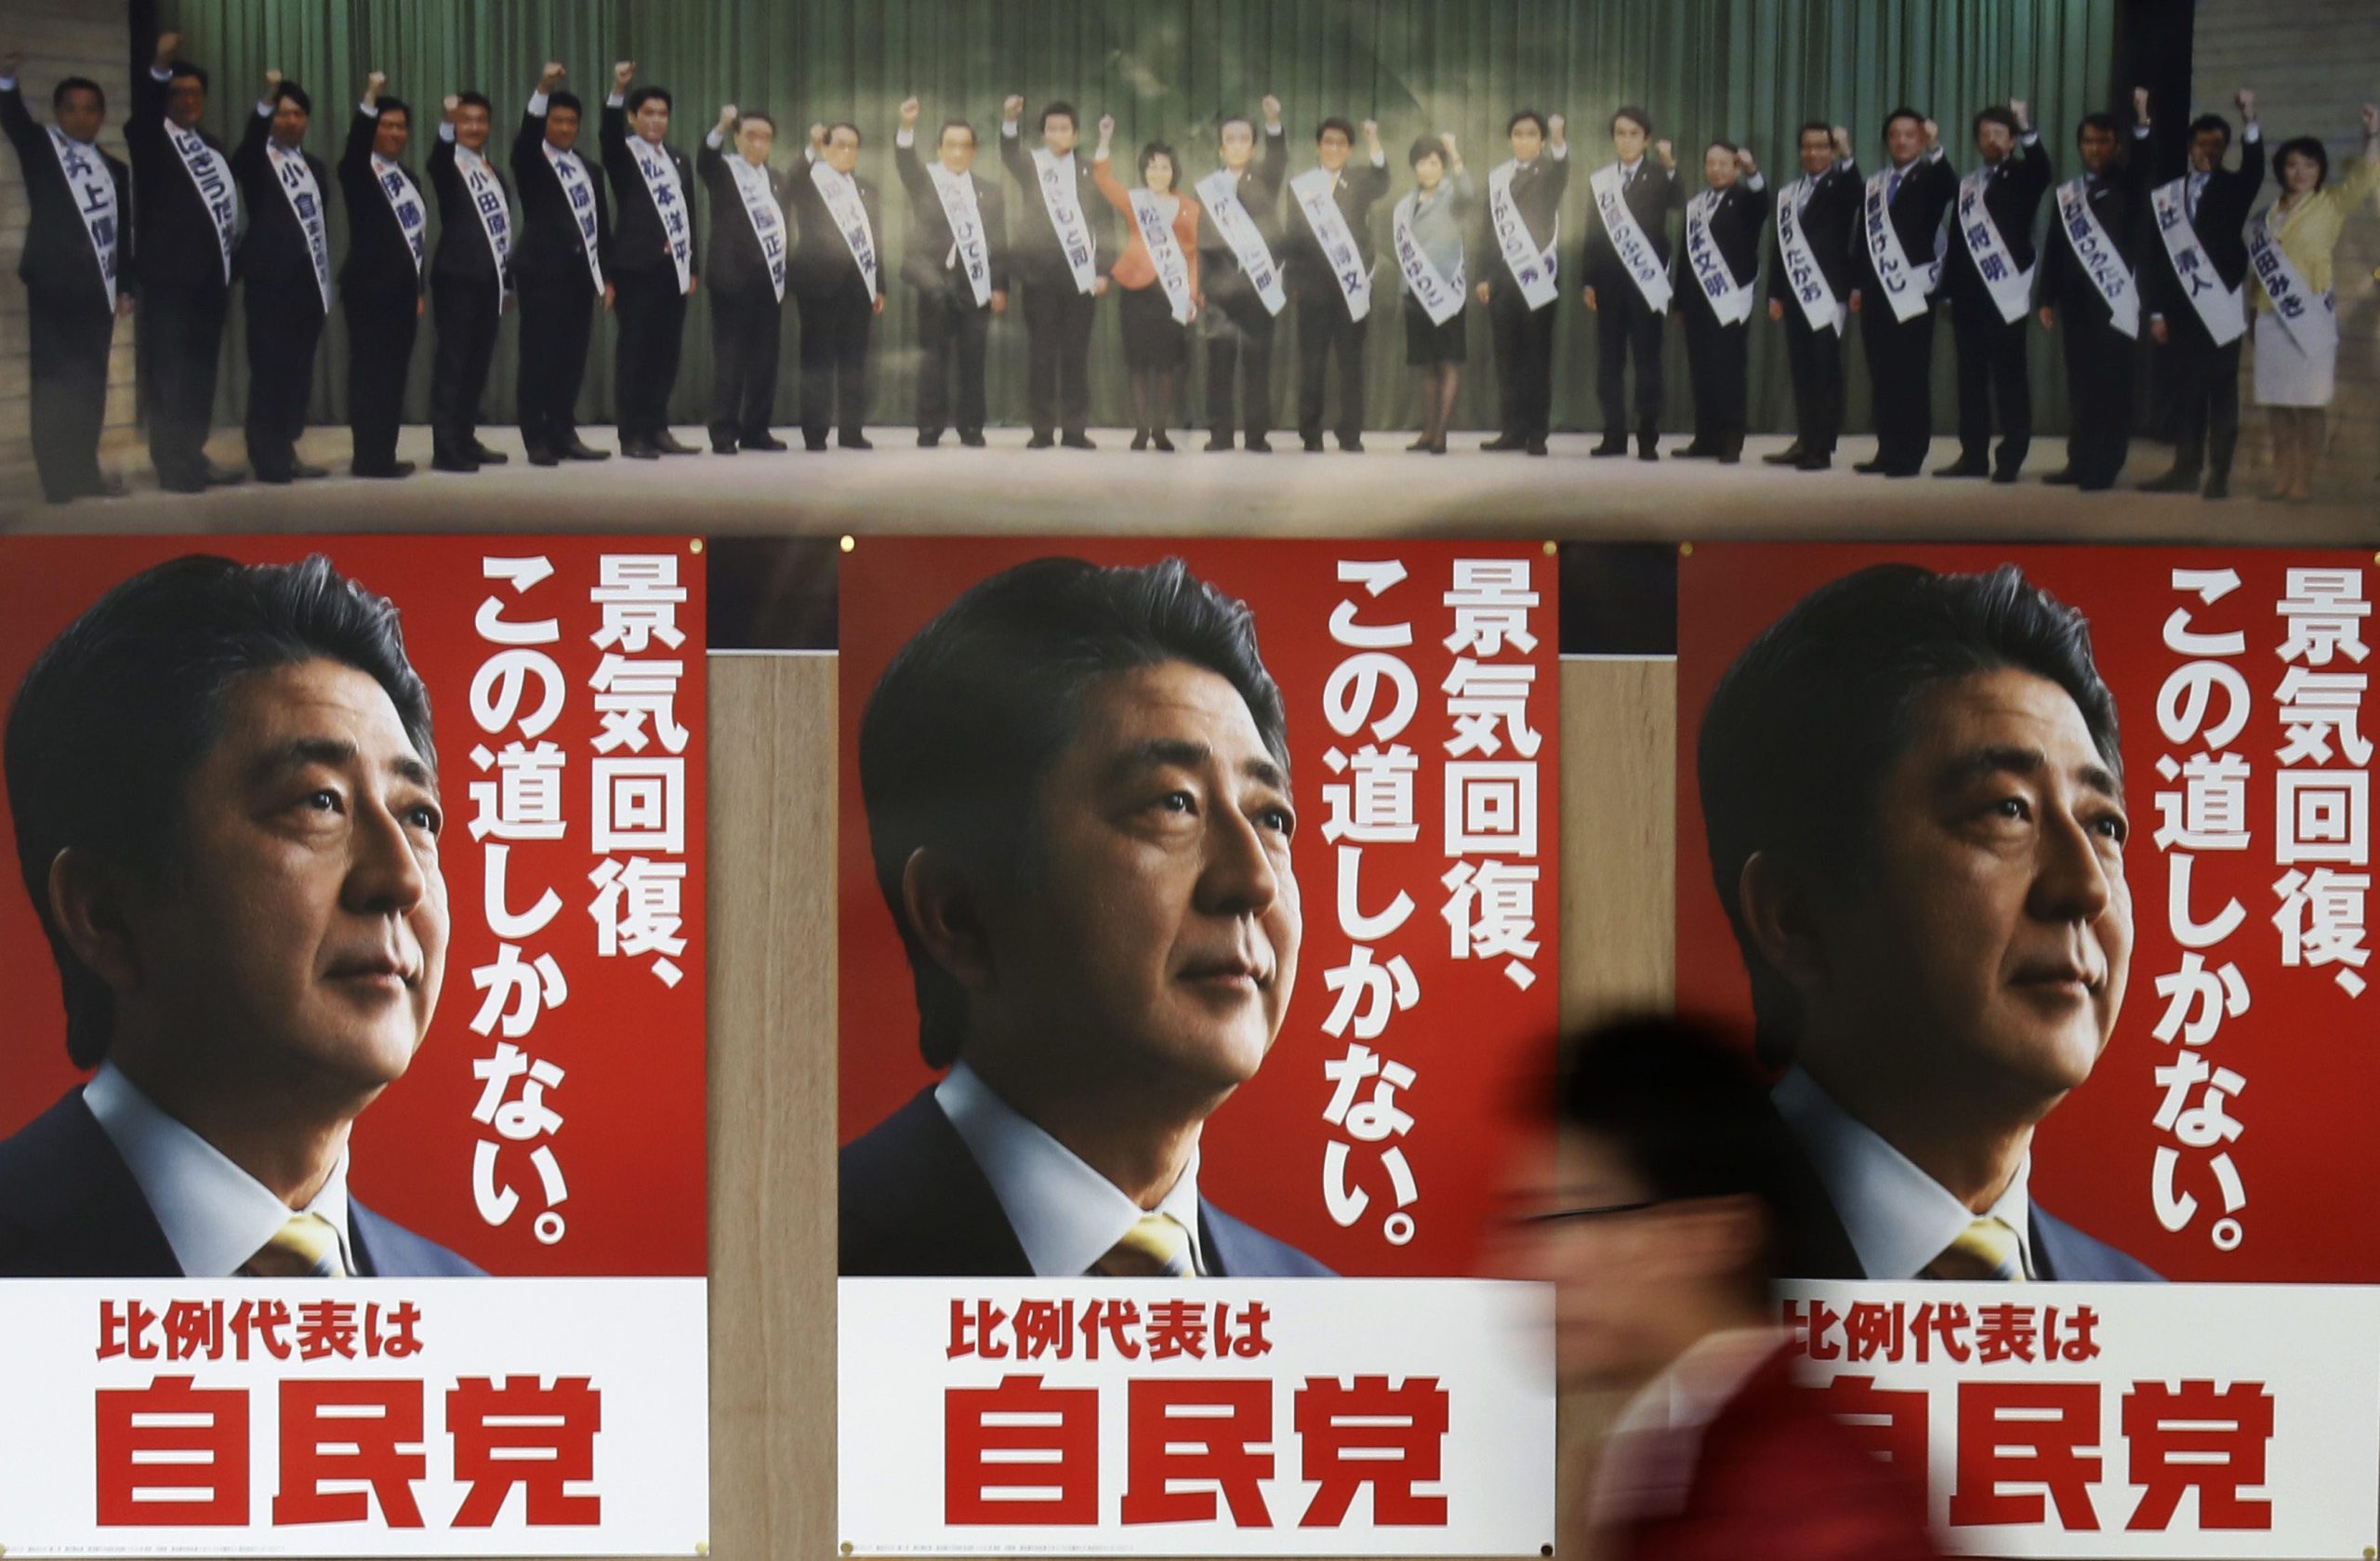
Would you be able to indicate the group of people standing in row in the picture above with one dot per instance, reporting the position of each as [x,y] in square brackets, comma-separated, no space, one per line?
[1213,261]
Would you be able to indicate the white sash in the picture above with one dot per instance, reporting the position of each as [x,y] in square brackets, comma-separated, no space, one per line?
[1313,190]
[1065,204]
[2220,309]
[216,192]
[1811,289]
[1730,299]
[1219,193]
[841,192]
[495,214]
[2097,254]
[404,205]
[1636,251]
[93,191]
[2012,289]
[1155,225]
[768,222]
[1535,270]
[2310,318]
[660,171]
[1439,295]
[578,189]
[296,176]
[966,218]
[1906,287]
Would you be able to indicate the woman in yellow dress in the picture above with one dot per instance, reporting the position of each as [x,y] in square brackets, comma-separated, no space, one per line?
[2289,249]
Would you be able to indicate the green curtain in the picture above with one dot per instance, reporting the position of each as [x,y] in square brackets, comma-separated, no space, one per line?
[1744,70]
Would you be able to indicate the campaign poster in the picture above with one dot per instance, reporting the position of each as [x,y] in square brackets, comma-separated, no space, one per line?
[1197,956]
[2041,877]
[352,1176]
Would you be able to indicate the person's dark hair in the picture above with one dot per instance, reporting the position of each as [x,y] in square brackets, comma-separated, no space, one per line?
[566,99]
[1802,728]
[1227,121]
[76,84]
[2215,121]
[844,124]
[120,709]
[1635,116]
[1515,123]
[2005,118]
[749,116]
[1427,146]
[1820,126]
[396,105]
[2105,122]
[477,101]
[644,95]
[972,711]
[290,92]
[2301,146]
[182,68]
[951,125]
[1155,149]
[1904,111]
[1064,109]
[1334,122]
[1720,143]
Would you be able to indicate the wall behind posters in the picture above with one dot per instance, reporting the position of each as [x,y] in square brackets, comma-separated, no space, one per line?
[1747,70]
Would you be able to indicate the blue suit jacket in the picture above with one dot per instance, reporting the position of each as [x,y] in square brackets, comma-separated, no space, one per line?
[71,1209]
[912,1201]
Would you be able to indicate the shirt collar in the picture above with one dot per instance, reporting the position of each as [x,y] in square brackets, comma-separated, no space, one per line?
[467,157]
[215,1215]
[1067,1216]
[1898,1218]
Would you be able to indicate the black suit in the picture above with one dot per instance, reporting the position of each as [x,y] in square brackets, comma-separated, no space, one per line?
[1992,349]
[2099,356]
[379,290]
[1524,336]
[2205,377]
[1058,315]
[185,290]
[652,306]
[836,310]
[1237,327]
[746,312]
[1900,353]
[1325,329]
[467,287]
[68,314]
[284,298]
[1624,321]
[952,327]
[558,291]
[1715,351]
[1830,214]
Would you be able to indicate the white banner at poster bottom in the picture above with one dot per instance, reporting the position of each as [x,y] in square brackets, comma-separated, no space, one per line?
[354,1417]
[2074,1420]
[1209,1417]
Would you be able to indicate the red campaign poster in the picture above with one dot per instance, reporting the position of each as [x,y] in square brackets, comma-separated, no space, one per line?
[1418,682]
[2205,1140]
[551,1121]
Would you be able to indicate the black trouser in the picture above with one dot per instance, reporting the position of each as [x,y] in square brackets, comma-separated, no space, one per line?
[555,321]
[1816,359]
[69,346]
[1626,323]
[644,361]
[380,354]
[834,360]
[1239,349]
[745,329]
[181,340]
[2206,399]
[953,330]
[2099,393]
[1900,374]
[1714,355]
[1325,332]
[1991,373]
[1057,354]
[1523,339]
[469,309]
[285,326]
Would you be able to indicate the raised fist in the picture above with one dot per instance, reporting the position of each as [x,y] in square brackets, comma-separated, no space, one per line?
[727,115]
[2016,107]
[1012,108]
[1744,164]
[271,86]
[1106,126]
[451,105]
[2372,119]
[374,81]
[1556,126]
[1776,309]
[1371,131]
[909,111]
[1272,107]
[10,59]
[818,134]
[623,72]
[2247,102]
[1932,134]
[2140,104]
[1666,152]
[169,46]
[551,77]
[1841,135]
[1592,307]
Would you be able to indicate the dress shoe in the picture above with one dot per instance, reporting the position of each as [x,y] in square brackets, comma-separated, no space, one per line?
[1219,440]
[972,438]
[1649,450]
[1258,445]
[579,450]
[183,484]
[279,477]
[487,457]
[1696,451]
[852,438]
[1421,445]
[1814,461]
[640,450]
[814,443]
[1869,467]
[2218,487]
[111,486]
[1790,455]
[1077,439]
[2177,480]
[2004,475]
[722,447]
[307,474]
[763,440]
[222,476]
[1505,442]
[1157,441]
[537,456]
[2094,484]
[928,439]
[1610,447]
[1312,442]
[1962,468]
[390,472]
[1536,447]
[1040,441]
[1139,439]
[2063,477]
[671,445]
[1903,470]
[1730,457]
[1352,445]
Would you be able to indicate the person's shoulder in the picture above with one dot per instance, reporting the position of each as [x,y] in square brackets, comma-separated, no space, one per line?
[910,1200]
[69,1206]
[2064,1252]
[392,1252]
[1239,1249]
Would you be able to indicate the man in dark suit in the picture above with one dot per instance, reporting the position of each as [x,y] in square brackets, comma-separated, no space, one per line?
[2089,273]
[657,268]
[1924,870]
[245,970]
[1241,283]
[960,287]
[470,279]
[284,275]
[1809,281]
[1096,976]
[1722,263]
[747,275]
[1062,259]
[78,235]
[380,286]
[839,284]
[1895,238]
[1518,267]
[1326,324]
[1989,277]
[2196,219]
[188,203]
[563,269]
[1628,293]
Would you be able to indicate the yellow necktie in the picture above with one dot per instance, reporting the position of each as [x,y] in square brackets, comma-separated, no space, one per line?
[1986,1249]
[1156,1247]
[305,1247]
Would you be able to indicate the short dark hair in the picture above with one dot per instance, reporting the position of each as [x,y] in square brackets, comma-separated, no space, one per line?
[644,95]
[2005,118]
[1515,123]
[2301,146]
[290,92]
[1904,111]
[1227,121]
[182,68]
[2105,122]
[1819,125]
[844,124]
[1073,120]
[1720,143]
[566,99]
[1154,150]
[475,101]
[951,125]
[396,105]
[972,711]
[1426,146]
[2215,121]
[1806,721]
[1635,115]
[749,116]
[1335,123]
[75,84]
[120,709]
